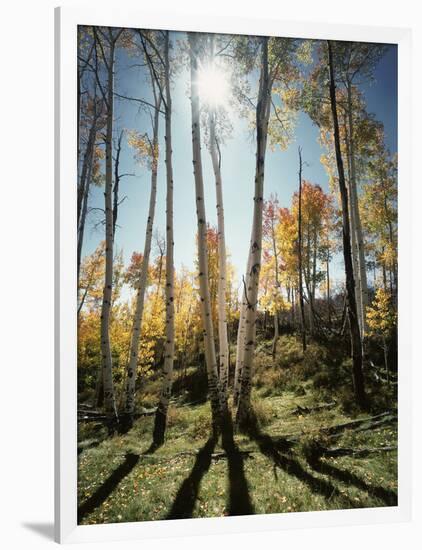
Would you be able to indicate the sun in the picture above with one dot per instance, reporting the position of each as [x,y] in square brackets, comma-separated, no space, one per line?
[213,86]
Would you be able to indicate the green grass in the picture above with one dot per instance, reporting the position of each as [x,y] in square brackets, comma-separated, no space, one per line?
[117,483]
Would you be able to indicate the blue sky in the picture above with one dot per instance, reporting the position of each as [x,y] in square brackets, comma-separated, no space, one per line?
[238,164]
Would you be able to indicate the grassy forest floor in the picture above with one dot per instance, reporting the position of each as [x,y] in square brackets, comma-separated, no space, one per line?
[312,451]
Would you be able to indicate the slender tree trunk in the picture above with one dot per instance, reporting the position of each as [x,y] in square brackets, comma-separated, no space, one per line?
[327,270]
[85,182]
[117,177]
[262,116]
[393,246]
[308,284]
[300,268]
[385,350]
[109,398]
[82,220]
[87,162]
[384,272]
[81,72]
[356,343]
[276,335]
[204,290]
[277,289]
[363,283]
[222,258]
[293,312]
[239,350]
[163,404]
[240,344]
[313,281]
[353,233]
[143,275]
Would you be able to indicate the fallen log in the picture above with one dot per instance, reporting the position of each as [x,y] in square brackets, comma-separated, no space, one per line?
[95,416]
[337,429]
[371,421]
[308,410]
[361,453]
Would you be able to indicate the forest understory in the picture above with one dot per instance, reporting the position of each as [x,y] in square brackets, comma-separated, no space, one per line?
[312,449]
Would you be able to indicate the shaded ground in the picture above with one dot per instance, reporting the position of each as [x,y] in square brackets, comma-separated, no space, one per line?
[270,470]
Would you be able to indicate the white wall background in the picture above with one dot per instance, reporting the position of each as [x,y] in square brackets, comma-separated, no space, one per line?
[26,273]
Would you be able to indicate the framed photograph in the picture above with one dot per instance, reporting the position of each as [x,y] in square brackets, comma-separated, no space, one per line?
[232,275]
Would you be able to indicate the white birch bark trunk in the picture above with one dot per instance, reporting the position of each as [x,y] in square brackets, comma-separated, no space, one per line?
[355,339]
[300,267]
[354,200]
[84,211]
[109,398]
[262,116]
[143,275]
[277,290]
[222,261]
[83,181]
[276,335]
[352,224]
[240,349]
[205,301]
[355,254]
[163,403]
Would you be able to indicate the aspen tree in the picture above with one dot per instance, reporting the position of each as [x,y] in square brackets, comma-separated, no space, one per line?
[143,274]
[165,394]
[108,41]
[205,301]
[254,263]
[347,252]
[222,257]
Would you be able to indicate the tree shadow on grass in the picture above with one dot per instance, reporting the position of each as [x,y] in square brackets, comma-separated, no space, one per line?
[187,494]
[104,491]
[239,499]
[279,451]
[82,448]
[388,497]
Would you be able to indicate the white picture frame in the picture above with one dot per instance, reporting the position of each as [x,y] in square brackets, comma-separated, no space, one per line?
[66,21]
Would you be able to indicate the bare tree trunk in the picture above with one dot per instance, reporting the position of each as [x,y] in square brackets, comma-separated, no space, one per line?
[262,117]
[327,271]
[355,257]
[300,268]
[117,177]
[356,343]
[82,67]
[363,283]
[143,275]
[85,182]
[277,289]
[313,281]
[385,351]
[293,310]
[276,335]
[163,404]
[87,161]
[393,246]
[222,259]
[109,398]
[384,272]
[208,331]
[240,344]
[308,283]
[239,349]
[356,273]
[82,220]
